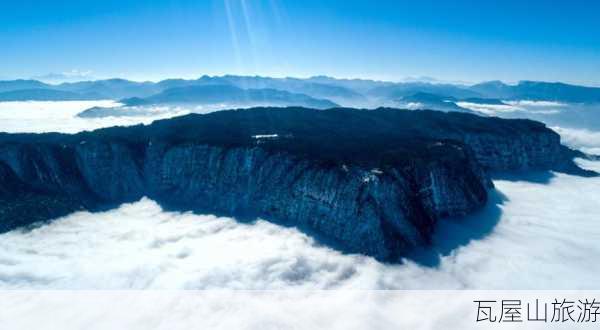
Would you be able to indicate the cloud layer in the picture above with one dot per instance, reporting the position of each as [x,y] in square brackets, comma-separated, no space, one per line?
[60,116]
[540,236]
[583,139]
[525,106]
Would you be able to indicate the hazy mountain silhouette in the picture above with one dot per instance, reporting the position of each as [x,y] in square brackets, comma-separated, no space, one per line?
[541,91]
[405,89]
[43,94]
[211,94]
[355,92]
[20,84]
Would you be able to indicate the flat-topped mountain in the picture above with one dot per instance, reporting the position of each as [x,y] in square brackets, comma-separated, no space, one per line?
[374,182]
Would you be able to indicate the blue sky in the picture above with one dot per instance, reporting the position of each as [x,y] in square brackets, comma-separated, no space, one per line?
[390,40]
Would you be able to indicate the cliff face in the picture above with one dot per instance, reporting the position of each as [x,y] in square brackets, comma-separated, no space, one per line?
[379,201]
[377,212]
[368,210]
[525,152]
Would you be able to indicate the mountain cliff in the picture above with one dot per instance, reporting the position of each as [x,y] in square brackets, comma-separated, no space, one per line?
[373,182]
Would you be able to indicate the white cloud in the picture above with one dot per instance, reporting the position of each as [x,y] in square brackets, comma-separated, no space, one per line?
[585,140]
[61,116]
[488,109]
[538,104]
[414,106]
[537,107]
[265,310]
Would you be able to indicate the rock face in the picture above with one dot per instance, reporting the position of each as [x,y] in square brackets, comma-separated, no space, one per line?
[373,182]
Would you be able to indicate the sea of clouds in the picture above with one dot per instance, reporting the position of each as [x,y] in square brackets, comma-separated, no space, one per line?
[538,107]
[537,232]
[265,310]
[61,116]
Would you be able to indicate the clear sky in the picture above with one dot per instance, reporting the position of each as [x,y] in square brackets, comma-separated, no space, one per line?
[449,40]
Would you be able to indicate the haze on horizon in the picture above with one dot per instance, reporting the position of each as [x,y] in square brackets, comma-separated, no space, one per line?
[76,76]
[387,40]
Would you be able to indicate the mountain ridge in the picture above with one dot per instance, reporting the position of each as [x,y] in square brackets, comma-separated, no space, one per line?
[211,94]
[355,92]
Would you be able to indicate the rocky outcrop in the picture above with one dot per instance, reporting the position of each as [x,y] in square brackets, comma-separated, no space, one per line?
[373,188]
[540,151]
[380,212]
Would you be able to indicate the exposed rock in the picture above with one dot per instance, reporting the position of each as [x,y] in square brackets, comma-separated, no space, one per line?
[373,182]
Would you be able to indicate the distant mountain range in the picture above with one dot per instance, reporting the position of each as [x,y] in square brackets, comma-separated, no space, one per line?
[539,91]
[209,97]
[43,94]
[319,91]
[211,94]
